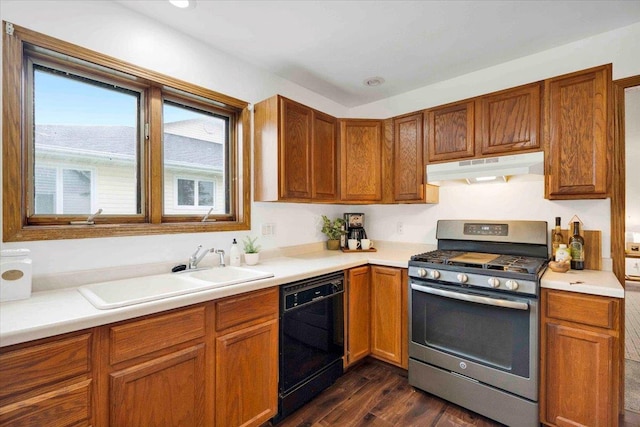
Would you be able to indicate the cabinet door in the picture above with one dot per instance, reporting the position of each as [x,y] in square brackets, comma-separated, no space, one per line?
[361,160]
[578,118]
[166,391]
[247,375]
[295,150]
[325,158]
[408,158]
[358,314]
[509,121]
[579,389]
[48,382]
[388,314]
[450,132]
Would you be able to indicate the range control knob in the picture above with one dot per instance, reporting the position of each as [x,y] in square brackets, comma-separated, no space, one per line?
[434,274]
[462,278]
[422,272]
[511,284]
[494,282]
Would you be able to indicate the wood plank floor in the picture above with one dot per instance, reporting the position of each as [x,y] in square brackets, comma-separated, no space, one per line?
[376,394]
[379,395]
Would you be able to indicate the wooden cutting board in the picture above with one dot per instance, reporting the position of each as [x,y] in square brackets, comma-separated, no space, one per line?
[592,248]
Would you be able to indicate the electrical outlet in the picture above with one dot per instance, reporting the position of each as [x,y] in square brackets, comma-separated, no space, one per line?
[268,229]
[400,227]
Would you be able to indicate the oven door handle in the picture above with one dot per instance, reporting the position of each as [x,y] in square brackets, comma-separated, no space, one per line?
[471,298]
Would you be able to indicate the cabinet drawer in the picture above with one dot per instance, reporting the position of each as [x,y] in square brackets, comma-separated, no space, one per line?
[67,406]
[156,333]
[43,364]
[247,308]
[585,309]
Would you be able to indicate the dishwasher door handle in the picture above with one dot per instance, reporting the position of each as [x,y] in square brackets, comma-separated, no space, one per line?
[518,305]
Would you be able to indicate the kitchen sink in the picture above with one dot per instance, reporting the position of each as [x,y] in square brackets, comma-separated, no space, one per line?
[121,293]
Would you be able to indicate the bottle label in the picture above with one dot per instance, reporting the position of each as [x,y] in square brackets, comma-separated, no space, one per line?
[577,252]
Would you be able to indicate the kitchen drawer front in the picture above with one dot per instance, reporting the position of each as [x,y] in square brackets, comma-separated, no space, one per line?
[44,364]
[145,336]
[66,406]
[247,308]
[590,310]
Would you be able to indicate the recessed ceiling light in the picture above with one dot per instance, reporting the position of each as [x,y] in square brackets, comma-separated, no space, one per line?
[373,81]
[183,4]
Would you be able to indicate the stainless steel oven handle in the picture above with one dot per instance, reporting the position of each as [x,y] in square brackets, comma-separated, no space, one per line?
[471,298]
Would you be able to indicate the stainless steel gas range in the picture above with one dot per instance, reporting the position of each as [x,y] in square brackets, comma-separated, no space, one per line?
[473,307]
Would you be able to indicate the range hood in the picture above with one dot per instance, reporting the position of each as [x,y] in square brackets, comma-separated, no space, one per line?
[516,164]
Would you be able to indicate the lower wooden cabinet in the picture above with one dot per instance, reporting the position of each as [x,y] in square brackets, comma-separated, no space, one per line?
[247,359]
[389,331]
[580,367]
[49,382]
[165,391]
[357,315]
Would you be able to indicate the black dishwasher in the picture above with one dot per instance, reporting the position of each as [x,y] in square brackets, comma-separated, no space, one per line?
[311,339]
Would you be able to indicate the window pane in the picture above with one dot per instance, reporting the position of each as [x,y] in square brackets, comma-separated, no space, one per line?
[45,190]
[195,144]
[205,193]
[76,191]
[186,190]
[80,122]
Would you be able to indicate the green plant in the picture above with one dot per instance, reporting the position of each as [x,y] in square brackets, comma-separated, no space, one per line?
[332,229]
[249,245]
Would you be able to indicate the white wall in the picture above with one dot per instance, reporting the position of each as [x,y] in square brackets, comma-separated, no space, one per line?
[111,29]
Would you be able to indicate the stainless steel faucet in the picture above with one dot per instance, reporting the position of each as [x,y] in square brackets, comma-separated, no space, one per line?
[195,259]
[221,253]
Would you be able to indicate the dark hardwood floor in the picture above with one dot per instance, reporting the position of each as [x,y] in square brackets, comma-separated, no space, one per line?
[376,394]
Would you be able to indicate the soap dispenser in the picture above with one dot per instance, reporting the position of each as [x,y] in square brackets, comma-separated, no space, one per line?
[234,254]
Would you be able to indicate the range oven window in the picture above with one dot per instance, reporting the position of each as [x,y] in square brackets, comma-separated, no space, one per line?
[497,337]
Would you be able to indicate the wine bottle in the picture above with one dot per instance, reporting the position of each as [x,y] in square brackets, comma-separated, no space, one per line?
[556,238]
[576,246]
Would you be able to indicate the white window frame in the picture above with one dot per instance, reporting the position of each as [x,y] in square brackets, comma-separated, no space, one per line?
[195,195]
[60,168]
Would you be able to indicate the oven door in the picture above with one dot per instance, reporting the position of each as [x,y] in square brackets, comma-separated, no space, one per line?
[483,335]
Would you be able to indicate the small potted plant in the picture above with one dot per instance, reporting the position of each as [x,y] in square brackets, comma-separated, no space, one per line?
[251,250]
[333,230]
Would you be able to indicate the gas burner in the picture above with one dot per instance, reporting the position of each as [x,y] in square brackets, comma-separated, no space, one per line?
[518,264]
[436,257]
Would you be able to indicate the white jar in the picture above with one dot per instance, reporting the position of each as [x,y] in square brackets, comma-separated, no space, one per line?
[15,274]
[563,253]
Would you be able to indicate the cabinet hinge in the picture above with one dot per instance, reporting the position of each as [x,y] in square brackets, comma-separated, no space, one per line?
[146,131]
[9,28]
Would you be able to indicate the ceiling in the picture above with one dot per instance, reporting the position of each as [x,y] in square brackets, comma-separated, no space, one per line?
[332,47]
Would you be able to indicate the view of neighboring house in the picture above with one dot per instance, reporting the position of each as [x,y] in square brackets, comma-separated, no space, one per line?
[82,168]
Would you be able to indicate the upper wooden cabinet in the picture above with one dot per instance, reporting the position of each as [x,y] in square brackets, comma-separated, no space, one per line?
[408,159]
[578,112]
[509,120]
[361,160]
[295,152]
[450,131]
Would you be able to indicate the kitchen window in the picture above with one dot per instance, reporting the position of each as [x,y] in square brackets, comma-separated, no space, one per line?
[83,132]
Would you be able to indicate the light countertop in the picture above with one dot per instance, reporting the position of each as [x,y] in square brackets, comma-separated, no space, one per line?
[63,309]
[594,282]
[57,311]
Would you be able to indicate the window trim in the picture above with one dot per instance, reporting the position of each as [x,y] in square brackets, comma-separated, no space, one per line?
[16,164]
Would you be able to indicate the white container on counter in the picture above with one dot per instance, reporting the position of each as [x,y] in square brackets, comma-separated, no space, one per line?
[15,274]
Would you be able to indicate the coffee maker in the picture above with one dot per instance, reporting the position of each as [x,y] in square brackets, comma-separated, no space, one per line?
[354,223]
